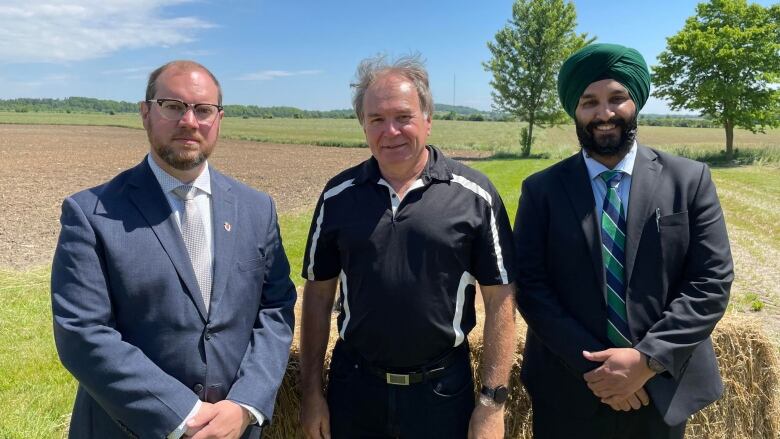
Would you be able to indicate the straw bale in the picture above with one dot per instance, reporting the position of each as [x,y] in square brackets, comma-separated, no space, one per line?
[748,361]
[750,407]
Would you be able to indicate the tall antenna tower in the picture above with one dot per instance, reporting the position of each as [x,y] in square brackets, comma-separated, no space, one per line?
[453,89]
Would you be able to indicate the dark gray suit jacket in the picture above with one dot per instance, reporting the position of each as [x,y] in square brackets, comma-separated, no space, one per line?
[129,320]
[678,275]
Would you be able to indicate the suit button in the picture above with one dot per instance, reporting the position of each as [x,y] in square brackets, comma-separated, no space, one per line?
[197,388]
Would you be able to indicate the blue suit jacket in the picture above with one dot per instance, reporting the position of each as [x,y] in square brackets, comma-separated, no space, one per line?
[678,275]
[129,320]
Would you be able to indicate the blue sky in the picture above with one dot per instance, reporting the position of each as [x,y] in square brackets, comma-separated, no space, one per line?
[300,53]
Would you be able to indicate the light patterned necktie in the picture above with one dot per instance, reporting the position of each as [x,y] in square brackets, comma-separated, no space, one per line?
[194,233]
[613,244]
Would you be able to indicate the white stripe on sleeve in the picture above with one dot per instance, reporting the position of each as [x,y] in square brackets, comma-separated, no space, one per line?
[332,192]
[477,189]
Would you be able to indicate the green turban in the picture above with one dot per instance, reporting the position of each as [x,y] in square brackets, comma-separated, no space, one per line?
[603,61]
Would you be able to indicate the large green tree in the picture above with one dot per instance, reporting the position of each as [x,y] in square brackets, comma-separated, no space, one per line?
[725,62]
[526,56]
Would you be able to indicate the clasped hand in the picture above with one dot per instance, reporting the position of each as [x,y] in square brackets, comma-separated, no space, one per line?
[619,381]
[223,420]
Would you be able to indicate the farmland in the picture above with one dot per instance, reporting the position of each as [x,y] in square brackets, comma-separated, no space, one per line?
[44,163]
[557,142]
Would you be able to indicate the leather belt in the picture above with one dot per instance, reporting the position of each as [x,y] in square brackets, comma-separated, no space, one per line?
[405,378]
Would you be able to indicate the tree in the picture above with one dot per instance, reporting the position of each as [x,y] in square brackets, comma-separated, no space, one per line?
[526,56]
[725,62]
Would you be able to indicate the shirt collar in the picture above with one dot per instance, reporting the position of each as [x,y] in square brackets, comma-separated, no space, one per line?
[435,169]
[168,182]
[626,165]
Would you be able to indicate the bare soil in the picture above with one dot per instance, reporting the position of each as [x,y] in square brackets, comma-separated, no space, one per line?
[42,164]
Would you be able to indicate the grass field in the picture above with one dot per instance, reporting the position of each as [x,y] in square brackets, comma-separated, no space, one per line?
[558,142]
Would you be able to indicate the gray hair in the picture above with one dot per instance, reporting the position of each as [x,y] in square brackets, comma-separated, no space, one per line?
[151,85]
[409,67]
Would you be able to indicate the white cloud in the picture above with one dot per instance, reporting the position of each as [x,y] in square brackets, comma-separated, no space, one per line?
[75,30]
[267,75]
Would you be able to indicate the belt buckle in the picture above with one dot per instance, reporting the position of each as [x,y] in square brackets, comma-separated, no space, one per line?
[397,379]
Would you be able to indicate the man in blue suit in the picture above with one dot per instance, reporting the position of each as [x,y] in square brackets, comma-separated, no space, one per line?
[171,295]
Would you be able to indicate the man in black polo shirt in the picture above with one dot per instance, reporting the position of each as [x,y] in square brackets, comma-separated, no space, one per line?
[407,235]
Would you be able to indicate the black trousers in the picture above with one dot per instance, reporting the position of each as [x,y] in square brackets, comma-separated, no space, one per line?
[550,422]
[362,405]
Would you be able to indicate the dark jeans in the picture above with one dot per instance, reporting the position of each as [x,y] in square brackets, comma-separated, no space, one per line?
[646,423]
[362,405]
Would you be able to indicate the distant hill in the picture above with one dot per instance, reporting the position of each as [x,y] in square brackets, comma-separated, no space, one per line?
[457,109]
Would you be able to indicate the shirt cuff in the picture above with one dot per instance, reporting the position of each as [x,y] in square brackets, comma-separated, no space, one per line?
[259,418]
[182,428]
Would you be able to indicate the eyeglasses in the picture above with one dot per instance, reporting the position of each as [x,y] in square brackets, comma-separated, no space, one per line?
[174,109]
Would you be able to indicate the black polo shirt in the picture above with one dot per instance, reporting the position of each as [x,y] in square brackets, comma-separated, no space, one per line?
[407,269]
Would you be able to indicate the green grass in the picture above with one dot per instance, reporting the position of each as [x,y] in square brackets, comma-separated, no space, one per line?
[557,142]
[295,230]
[36,393]
[750,196]
[507,175]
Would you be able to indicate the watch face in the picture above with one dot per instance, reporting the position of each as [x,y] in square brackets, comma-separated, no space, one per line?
[500,394]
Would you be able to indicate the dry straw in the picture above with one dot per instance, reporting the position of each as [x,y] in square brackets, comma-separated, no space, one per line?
[748,361]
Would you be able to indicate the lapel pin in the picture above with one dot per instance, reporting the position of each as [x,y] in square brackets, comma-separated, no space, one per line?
[227,226]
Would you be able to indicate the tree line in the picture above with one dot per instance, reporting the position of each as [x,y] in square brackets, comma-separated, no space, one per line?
[443,112]
[107,106]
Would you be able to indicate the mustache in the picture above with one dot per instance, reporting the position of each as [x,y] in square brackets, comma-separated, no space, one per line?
[189,134]
[615,120]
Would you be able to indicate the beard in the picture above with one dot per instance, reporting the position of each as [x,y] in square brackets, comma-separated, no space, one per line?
[611,144]
[181,160]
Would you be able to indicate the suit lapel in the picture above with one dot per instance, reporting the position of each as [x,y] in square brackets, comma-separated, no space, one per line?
[644,180]
[223,206]
[578,188]
[146,195]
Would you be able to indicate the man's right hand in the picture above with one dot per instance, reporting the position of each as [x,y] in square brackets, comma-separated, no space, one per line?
[205,414]
[315,419]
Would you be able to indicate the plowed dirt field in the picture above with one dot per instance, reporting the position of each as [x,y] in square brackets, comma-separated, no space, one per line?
[42,164]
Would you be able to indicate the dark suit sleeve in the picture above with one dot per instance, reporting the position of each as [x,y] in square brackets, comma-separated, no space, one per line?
[537,301]
[265,360]
[134,391]
[702,294]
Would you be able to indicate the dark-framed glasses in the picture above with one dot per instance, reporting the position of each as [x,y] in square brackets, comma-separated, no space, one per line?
[174,109]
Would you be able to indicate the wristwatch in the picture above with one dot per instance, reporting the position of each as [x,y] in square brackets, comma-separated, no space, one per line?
[496,396]
[655,365]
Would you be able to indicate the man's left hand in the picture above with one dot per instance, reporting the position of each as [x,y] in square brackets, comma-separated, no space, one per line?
[229,421]
[486,422]
[624,372]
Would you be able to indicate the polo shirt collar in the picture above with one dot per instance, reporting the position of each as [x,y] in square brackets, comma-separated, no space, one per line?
[435,169]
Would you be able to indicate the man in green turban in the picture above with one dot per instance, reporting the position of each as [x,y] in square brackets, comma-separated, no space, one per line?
[623,270]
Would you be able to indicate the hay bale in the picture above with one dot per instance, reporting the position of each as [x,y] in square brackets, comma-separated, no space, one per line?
[750,407]
[748,361]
